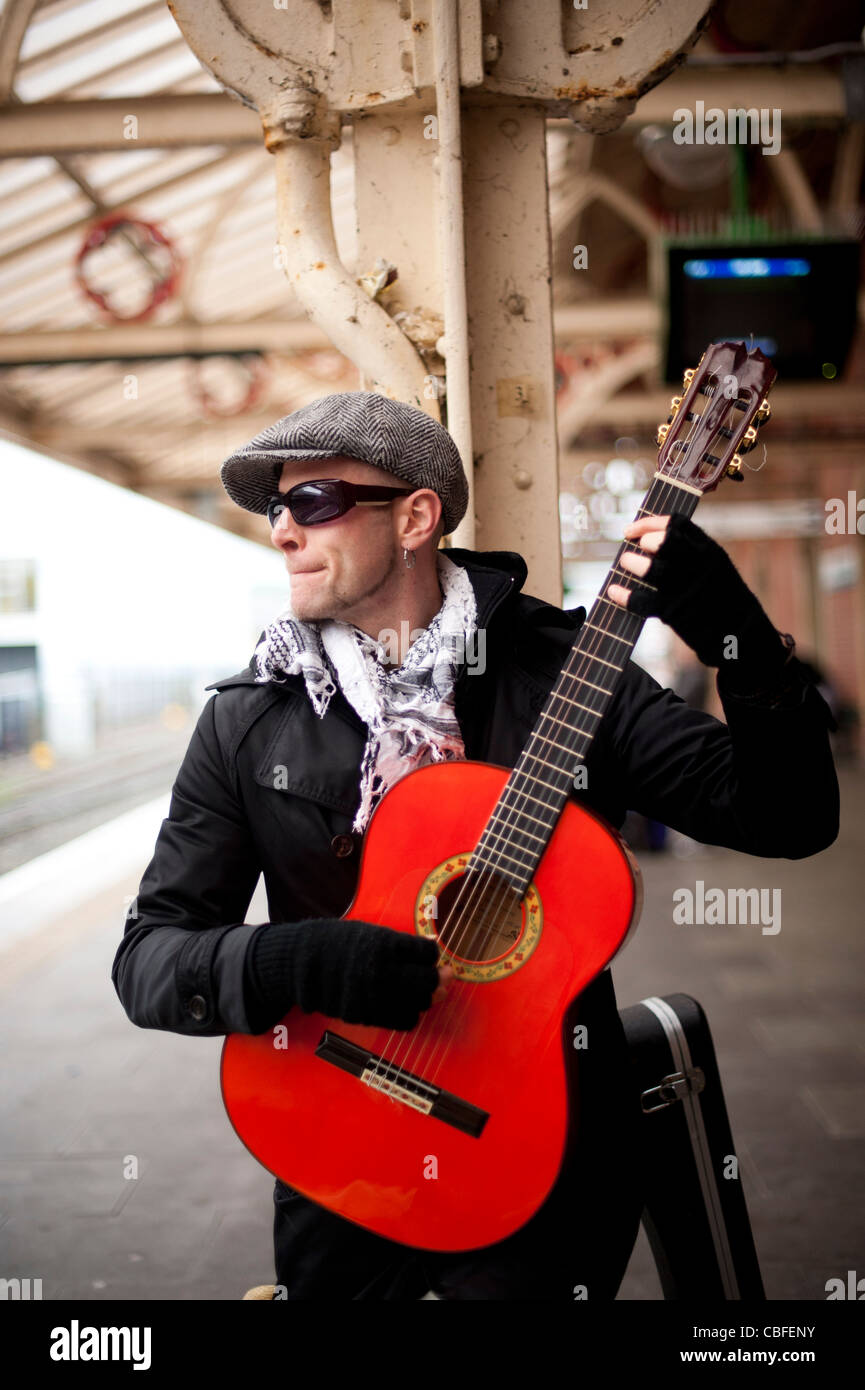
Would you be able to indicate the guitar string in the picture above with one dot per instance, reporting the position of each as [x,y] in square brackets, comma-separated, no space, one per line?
[578,676]
[448,1016]
[515,804]
[420,1038]
[463,905]
[666,494]
[415,1041]
[459,918]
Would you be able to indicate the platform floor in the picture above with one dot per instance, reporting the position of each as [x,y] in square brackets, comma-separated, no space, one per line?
[84,1093]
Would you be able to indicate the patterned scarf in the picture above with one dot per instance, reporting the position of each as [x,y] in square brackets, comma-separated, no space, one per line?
[409,710]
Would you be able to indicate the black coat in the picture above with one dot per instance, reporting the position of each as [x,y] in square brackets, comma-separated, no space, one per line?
[180,963]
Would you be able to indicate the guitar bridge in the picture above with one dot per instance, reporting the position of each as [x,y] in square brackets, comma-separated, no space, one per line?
[379,1082]
[400,1085]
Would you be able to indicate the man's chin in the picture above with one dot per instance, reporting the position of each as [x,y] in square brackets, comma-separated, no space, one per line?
[308,612]
[308,607]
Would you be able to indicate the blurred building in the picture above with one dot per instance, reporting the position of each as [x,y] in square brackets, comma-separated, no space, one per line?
[113,607]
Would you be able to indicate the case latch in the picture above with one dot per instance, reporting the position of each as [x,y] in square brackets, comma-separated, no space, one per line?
[674,1087]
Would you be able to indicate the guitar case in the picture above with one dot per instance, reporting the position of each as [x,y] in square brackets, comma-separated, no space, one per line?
[695,1214]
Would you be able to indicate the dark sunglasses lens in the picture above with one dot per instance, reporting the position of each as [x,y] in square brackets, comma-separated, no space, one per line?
[311,504]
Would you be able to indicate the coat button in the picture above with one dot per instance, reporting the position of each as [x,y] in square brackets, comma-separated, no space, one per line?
[342,845]
[197,1007]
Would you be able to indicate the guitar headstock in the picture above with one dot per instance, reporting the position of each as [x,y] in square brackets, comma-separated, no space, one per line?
[716,418]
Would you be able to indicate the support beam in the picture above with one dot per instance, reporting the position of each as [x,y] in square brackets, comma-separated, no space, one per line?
[847,173]
[511,336]
[13,26]
[602,384]
[796,190]
[809,93]
[142,341]
[573,323]
[812,93]
[837,404]
[172,121]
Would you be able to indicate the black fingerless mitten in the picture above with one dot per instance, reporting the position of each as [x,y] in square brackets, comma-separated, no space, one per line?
[704,599]
[352,970]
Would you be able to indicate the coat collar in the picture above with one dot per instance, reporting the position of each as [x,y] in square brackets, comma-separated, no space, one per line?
[494,574]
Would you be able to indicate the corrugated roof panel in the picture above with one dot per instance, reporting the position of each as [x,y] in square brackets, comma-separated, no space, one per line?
[37,204]
[155,72]
[77,62]
[18,174]
[121,177]
[64,22]
[30,300]
[54,41]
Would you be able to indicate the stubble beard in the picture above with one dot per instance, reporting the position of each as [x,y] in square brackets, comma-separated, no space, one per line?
[337,604]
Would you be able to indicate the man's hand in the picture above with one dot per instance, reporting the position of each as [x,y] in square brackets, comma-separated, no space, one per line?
[692,585]
[650,531]
[446,974]
[346,968]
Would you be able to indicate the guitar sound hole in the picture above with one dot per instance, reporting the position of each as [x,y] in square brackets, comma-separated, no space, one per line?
[480,916]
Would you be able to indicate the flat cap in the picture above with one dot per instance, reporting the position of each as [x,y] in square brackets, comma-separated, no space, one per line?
[363,425]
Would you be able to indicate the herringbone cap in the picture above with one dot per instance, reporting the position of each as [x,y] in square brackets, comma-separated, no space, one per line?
[357,424]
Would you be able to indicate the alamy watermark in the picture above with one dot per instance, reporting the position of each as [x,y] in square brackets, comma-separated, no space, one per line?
[471,653]
[733,907]
[737,126]
[845,518]
[77,1343]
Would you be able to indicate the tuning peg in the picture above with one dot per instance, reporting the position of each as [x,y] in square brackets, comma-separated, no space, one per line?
[689,377]
[763,413]
[749,440]
[734,469]
[662,432]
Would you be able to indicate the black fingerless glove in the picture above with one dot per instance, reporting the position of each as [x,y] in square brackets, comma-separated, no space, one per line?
[352,970]
[703,598]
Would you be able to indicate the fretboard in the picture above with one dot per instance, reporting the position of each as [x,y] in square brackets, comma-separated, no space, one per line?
[538,788]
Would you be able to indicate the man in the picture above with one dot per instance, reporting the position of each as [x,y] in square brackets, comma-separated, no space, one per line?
[290,758]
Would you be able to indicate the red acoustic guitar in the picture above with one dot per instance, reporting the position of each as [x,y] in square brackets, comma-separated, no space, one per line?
[451,1135]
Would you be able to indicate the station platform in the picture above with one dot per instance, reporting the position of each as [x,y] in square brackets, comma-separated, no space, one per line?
[85,1092]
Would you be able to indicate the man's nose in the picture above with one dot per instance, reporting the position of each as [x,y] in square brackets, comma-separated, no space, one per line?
[286,531]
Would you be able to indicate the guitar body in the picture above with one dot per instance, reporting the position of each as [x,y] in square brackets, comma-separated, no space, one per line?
[451,1135]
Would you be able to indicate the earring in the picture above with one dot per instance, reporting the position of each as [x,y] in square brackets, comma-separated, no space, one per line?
[409,557]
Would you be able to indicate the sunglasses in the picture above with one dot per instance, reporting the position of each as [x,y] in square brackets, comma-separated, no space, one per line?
[324,499]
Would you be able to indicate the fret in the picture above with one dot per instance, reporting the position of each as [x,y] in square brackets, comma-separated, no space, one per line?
[507,856]
[557,767]
[569,749]
[552,786]
[626,574]
[603,630]
[591,656]
[585,707]
[603,689]
[525,814]
[538,799]
[478,859]
[612,603]
[515,809]
[564,746]
[489,833]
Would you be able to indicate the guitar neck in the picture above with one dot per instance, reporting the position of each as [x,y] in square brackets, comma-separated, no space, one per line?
[526,813]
